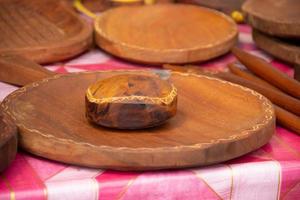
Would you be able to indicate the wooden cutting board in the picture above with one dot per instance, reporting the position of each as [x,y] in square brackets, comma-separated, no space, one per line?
[42,31]
[8,141]
[284,49]
[216,121]
[169,33]
[280,17]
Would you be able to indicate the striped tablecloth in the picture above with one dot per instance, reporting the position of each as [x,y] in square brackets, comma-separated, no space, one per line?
[271,172]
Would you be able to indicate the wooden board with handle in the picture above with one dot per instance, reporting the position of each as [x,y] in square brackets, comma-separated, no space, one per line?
[280,17]
[42,31]
[216,121]
[169,33]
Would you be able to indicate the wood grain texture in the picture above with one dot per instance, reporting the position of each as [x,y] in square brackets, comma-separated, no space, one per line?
[42,31]
[8,140]
[159,34]
[115,3]
[280,17]
[20,71]
[288,119]
[277,97]
[297,72]
[287,50]
[266,71]
[227,6]
[131,101]
[215,121]
[102,5]
[96,5]
[235,69]
[283,117]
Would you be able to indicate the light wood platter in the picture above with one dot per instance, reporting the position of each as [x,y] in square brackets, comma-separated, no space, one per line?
[42,31]
[280,17]
[8,141]
[169,33]
[283,49]
[215,121]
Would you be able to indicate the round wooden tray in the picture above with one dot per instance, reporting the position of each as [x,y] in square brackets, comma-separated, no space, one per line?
[285,50]
[216,121]
[280,17]
[43,31]
[8,141]
[169,33]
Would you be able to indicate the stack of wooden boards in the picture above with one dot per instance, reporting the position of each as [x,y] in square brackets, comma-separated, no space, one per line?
[276,28]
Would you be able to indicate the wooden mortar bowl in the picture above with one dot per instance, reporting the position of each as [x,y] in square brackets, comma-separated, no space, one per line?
[131,101]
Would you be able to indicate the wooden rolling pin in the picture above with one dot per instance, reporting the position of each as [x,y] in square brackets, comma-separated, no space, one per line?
[279,98]
[267,72]
[235,69]
[287,119]
[284,117]
[276,96]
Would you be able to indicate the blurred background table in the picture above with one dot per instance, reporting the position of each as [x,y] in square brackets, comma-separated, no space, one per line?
[271,172]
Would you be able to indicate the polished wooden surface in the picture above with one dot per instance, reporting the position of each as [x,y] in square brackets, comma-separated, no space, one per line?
[215,121]
[169,33]
[101,5]
[235,68]
[8,141]
[280,100]
[297,72]
[266,71]
[43,31]
[287,50]
[227,6]
[284,117]
[280,17]
[131,101]
[20,71]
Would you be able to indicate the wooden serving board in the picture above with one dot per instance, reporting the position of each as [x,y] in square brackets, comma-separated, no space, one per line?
[42,31]
[8,141]
[287,50]
[166,33]
[216,121]
[280,17]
